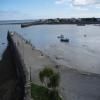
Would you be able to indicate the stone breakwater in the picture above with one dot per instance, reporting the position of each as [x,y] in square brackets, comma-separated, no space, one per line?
[23,78]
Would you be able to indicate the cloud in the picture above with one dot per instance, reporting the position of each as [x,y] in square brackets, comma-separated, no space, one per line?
[79,2]
[97,5]
[60,1]
[84,2]
[80,8]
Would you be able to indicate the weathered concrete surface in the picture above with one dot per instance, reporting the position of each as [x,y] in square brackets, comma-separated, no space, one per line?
[74,85]
[79,85]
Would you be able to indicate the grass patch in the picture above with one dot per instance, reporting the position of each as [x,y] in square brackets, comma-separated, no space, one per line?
[42,93]
[39,92]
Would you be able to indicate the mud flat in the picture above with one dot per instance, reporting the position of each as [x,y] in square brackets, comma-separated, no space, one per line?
[74,84]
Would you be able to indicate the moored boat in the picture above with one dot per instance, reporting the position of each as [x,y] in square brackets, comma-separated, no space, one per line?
[64,40]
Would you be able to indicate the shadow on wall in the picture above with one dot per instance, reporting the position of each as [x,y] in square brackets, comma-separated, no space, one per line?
[7,77]
[9,87]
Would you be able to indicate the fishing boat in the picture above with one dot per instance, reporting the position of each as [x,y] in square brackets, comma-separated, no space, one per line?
[64,40]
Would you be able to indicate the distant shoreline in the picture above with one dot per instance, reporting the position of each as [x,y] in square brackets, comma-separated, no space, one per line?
[78,24]
[54,21]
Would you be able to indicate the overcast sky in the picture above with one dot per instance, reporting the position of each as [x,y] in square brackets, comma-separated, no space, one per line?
[36,9]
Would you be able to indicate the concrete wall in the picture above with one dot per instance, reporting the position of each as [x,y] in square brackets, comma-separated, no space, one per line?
[23,80]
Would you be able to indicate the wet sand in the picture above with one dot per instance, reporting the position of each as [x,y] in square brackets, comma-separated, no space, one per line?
[74,84]
[76,57]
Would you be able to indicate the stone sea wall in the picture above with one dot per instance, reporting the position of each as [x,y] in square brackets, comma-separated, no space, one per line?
[23,78]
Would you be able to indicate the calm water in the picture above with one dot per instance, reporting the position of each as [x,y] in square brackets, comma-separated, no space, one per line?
[81,52]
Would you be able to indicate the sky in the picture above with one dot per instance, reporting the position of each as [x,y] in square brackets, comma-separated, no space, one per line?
[38,9]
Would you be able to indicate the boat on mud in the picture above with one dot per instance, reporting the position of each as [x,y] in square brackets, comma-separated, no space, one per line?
[64,40]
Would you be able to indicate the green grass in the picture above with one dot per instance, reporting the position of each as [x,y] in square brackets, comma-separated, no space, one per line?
[41,93]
